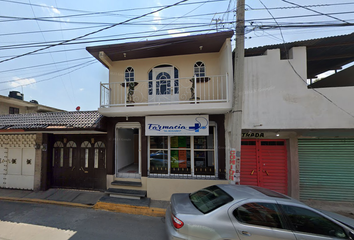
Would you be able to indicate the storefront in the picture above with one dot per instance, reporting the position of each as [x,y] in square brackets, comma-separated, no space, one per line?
[182,146]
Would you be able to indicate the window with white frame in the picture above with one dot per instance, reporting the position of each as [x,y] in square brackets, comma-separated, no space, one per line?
[129,74]
[199,69]
[183,155]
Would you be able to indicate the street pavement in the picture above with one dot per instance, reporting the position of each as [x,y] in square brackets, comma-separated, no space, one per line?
[22,220]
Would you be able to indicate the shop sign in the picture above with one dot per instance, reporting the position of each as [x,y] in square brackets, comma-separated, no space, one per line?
[188,125]
[252,135]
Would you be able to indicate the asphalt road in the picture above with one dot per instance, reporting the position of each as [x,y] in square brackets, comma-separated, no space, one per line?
[20,220]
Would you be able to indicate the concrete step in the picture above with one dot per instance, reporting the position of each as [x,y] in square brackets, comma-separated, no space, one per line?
[144,202]
[126,193]
[126,183]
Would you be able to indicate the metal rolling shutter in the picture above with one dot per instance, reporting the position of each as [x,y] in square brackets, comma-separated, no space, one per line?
[326,169]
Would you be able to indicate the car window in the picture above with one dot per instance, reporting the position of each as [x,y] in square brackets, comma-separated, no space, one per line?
[305,220]
[261,214]
[210,198]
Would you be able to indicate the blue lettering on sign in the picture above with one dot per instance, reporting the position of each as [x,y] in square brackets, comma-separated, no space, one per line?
[201,123]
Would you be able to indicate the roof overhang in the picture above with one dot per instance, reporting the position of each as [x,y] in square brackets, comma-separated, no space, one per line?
[324,54]
[205,43]
[344,78]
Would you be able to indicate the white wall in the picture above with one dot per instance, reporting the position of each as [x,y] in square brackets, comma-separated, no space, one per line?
[276,96]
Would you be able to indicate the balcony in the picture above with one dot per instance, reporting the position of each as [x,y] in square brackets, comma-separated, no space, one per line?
[204,95]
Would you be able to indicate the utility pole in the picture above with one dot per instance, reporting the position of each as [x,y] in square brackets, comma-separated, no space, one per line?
[236,115]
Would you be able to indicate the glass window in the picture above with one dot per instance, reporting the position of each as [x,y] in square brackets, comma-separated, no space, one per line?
[204,154]
[261,214]
[210,198]
[199,69]
[180,155]
[129,74]
[13,110]
[176,155]
[305,220]
[159,154]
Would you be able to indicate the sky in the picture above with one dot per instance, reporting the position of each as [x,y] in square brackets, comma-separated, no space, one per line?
[43,42]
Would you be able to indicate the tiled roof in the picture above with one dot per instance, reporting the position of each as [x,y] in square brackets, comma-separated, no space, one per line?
[51,120]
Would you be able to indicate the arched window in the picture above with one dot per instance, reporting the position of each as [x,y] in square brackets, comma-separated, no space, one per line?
[58,153]
[199,69]
[86,145]
[100,154]
[71,145]
[129,74]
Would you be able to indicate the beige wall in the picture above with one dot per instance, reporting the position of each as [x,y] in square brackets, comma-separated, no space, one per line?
[4,108]
[216,64]
[162,188]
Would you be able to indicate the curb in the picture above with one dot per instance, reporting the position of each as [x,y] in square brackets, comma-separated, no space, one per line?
[46,202]
[124,208]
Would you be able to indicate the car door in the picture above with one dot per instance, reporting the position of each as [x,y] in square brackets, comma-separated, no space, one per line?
[308,224]
[257,219]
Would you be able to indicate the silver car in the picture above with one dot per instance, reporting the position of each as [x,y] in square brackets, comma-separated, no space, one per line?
[230,212]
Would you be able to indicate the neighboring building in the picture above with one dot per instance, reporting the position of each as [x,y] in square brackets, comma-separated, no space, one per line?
[165,104]
[58,149]
[14,104]
[300,140]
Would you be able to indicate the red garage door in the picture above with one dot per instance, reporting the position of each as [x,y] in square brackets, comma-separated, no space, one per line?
[264,164]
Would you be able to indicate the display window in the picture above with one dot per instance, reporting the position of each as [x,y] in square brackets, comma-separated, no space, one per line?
[183,155]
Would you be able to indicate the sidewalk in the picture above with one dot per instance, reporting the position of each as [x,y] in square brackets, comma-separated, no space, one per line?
[86,199]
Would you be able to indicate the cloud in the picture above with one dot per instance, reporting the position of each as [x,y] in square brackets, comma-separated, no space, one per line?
[53,11]
[81,89]
[22,82]
[157,20]
[178,33]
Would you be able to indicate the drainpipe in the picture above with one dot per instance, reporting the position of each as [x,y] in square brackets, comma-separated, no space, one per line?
[236,115]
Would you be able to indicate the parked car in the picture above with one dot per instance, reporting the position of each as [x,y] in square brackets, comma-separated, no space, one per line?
[243,212]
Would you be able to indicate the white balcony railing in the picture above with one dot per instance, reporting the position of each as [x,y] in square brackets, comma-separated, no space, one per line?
[171,91]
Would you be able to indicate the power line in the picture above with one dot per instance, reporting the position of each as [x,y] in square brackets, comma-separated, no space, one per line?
[324,14]
[48,79]
[48,73]
[317,5]
[43,65]
[27,45]
[94,32]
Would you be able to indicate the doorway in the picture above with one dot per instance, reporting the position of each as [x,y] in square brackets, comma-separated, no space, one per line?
[164,87]
[128,149]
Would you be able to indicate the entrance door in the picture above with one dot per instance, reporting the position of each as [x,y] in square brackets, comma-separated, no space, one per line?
[264,164]
[128,148]
[79,163]
[163,86]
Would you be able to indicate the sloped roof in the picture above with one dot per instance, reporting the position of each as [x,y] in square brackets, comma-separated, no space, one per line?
[323,54]
[51,120]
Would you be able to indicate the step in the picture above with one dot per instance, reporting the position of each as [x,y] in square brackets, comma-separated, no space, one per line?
[126,183]
[126,193]
[144,202]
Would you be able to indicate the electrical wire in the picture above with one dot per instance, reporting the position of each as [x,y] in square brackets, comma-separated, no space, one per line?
[91,33]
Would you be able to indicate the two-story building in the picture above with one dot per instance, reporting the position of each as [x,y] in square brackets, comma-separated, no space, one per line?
[15,104]
[165,104]
[297,132]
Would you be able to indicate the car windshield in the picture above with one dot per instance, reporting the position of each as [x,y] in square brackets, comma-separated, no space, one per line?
[210,198]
